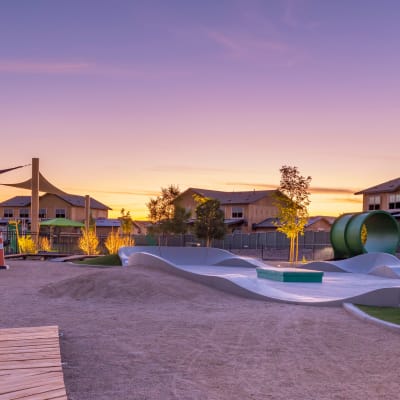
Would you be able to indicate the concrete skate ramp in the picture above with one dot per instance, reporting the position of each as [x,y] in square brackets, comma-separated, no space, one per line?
[241,280]
[189,256]
[379,264]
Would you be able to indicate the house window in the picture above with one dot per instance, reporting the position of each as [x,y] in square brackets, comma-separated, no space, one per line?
[24,212]
[374,203]
[42,213]
[237,212]
[394,201]
[8,213]
[60,213]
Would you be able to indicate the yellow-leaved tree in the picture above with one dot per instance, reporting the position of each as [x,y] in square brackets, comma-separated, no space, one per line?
[89,242]
[114,241]
[26,244]
[292,200]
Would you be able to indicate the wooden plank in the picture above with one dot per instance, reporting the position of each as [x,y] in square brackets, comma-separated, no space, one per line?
[14,385]
[50,395]
[30,364]
[21,331]
[25,335]
[28,350]
[39,343]
[25,372]
[42,392]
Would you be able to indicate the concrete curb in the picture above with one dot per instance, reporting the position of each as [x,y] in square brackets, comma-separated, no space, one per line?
[352,309]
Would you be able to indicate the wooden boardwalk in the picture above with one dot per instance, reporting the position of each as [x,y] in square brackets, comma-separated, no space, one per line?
[30,364]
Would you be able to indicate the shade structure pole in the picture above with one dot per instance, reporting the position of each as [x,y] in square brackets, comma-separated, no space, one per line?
[35,201]
[87,212]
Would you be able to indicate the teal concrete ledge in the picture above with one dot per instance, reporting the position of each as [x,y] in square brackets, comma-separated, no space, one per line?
[289,275]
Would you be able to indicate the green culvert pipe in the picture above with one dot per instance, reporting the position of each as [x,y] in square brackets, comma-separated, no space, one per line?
[337,237]
[382,234]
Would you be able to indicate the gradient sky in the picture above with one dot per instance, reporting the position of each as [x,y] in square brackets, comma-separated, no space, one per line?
[119,98]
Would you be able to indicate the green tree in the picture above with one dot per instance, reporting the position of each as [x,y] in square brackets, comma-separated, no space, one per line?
[209,222]
[126,222]
[179,221]
[162,212]
[292,200]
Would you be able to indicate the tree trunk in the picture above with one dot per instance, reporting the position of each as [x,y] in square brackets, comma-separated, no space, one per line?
[291,251]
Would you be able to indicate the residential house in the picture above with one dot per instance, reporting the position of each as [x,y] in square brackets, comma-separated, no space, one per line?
[385,196]
[106,225]
[52,206]
[241,209]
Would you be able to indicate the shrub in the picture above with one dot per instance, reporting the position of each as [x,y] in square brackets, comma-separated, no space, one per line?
[26,244]
[44,244]
[114,241]
[89,242]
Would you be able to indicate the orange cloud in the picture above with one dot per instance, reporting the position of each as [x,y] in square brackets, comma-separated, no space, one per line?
[314,190]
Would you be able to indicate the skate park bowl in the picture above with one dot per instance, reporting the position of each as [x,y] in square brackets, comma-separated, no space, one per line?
[368,232]
[238,275]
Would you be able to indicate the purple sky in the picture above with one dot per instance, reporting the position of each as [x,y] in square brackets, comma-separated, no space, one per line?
[120,98]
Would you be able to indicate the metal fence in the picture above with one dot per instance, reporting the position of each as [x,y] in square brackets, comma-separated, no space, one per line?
[266,245]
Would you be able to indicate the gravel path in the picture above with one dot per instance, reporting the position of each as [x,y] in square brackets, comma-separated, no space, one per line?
[135,333]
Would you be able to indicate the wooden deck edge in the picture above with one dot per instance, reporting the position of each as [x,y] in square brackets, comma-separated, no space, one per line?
[36,372]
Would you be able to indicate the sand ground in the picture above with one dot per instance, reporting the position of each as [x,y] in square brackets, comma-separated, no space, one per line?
[136,333]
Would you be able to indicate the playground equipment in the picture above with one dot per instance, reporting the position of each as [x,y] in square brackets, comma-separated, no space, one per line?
[2,260]
[368,232]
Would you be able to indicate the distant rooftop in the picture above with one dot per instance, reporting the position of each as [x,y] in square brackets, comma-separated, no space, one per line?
[225,198]
[273,222]
[17,201]
[74,200]
[386,187]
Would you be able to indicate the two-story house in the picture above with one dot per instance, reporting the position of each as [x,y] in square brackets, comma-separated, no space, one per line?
[385,196]
[241,209]
[52,206]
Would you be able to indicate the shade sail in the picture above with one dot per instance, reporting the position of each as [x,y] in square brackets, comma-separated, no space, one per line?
[44,186]
[3,171]
[64,222]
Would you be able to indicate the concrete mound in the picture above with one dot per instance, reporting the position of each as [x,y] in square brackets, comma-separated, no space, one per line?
[188,256]
[224,271]
[378,264]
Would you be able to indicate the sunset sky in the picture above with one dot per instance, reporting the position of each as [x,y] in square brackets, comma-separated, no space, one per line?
[119,98]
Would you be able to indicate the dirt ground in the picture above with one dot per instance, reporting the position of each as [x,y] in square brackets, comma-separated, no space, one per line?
[136,333]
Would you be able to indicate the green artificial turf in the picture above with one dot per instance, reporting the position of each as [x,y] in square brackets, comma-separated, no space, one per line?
[106,261]
[389,314]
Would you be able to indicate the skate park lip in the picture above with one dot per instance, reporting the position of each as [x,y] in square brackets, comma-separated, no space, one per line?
[228,272]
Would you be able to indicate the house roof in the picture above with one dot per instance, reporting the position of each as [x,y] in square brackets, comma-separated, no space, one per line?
[274,222]
[385,187]
[79,201]
[108,222]
[225,198]
[267,223]
[74,200]
[116,223]
[17,201]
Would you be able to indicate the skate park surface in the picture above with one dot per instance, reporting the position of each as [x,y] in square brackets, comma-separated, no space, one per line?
[369,279]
